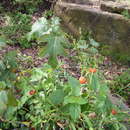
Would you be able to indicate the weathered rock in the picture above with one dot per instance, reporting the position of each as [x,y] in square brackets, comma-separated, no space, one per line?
[118,102]
[108,28]
[109,0]
[115,7]
[88,2]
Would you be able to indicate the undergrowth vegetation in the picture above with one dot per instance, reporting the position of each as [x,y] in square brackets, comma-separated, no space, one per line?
[24,6]
[51,96]
[15,27]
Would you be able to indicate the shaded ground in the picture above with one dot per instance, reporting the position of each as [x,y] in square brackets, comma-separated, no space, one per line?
[109,68]
[9,5]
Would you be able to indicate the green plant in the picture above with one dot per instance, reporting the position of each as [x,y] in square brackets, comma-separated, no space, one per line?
[28,6]
[18,25]
[126,14]
[121,85]
[49,31]
[24,6]
[87,54]
[115,54]
[48,14]
[49,103]
[7,64]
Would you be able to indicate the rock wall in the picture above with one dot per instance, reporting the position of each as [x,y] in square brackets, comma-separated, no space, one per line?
[115,7]
[107,28]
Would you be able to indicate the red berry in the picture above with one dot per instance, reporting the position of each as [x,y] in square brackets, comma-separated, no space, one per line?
[18,90]
[92,70]
[32,92]
[82,80]
[113,112]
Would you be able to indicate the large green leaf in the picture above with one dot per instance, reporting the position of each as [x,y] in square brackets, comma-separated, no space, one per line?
[3,101]
[54,48]
[94,43]
[57,96]
[38,28]
[75,86]
[74,99]
[94,85]
[7,99]
[74,111]
[11,99]
[53,61]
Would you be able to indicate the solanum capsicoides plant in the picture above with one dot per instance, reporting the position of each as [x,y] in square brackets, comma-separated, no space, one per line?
[49,32]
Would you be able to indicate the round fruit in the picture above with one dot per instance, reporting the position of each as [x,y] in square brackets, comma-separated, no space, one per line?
[82,80]
[32,92]
[113,112]
[92,70]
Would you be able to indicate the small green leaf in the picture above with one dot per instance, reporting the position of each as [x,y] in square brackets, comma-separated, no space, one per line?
[93,50]
[40,26]
[94,43]
[37,75]
[2,42]
[2,66]
[3,108]
[2,85]
[83,46]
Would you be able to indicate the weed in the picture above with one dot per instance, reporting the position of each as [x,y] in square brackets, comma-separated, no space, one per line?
[126,14]
[15,31]
[49,31]
[121,85]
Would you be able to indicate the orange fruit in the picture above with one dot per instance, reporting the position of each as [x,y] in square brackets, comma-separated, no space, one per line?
[82,80]
[32,92]
[113,112]
[92,70]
